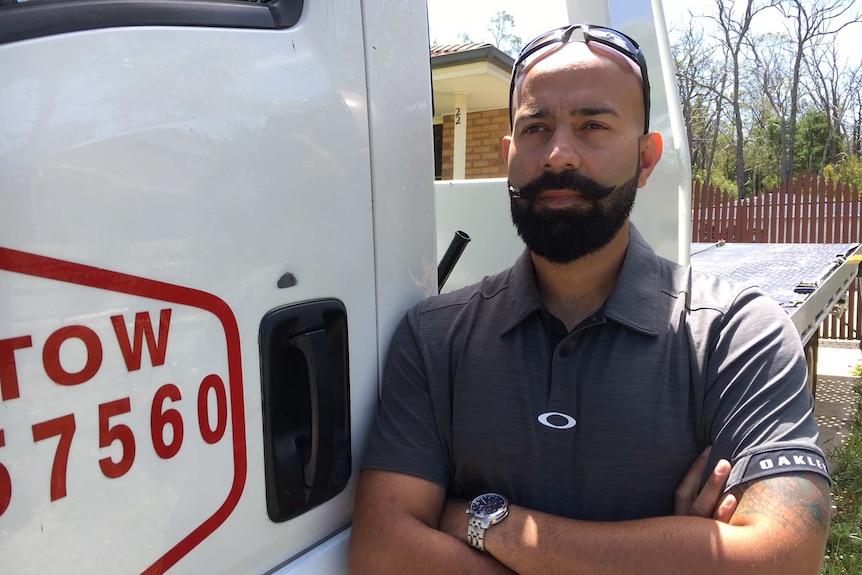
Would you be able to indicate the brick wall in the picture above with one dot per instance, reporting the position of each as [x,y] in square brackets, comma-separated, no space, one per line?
[484,157]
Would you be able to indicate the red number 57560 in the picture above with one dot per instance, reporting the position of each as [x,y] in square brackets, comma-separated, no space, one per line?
[212,427]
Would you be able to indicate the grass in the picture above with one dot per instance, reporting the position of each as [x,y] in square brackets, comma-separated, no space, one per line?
[844,546]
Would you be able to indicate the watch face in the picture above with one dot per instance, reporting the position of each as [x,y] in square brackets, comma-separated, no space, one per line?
[487,505]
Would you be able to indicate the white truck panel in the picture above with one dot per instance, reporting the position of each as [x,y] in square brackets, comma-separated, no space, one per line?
[131,153]
[330,557]
[398,69]
[481,209]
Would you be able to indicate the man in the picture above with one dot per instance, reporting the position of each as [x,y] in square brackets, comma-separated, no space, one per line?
[570,394]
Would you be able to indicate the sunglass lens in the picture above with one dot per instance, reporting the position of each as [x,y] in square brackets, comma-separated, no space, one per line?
[615,39]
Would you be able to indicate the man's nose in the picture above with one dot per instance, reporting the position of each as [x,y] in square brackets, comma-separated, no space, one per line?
[562,152]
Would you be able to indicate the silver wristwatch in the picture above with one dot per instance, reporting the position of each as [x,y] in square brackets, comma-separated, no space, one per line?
[485,510]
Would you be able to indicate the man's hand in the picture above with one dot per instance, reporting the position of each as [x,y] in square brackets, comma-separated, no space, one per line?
[709,503]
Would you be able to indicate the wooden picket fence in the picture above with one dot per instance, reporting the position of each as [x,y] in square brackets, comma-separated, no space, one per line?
[808,209]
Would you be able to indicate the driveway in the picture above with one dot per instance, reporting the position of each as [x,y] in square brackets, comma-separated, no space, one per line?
[835,399]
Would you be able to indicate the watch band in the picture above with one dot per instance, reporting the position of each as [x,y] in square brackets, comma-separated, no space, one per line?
[476,534]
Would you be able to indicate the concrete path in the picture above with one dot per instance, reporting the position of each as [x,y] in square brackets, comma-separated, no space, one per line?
[835,399]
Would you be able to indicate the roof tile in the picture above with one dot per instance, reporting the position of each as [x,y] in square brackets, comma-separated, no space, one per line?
[453,48]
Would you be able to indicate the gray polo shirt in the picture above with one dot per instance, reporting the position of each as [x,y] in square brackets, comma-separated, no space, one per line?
[484,390]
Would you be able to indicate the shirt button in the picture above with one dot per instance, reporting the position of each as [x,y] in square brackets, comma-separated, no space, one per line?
[565,352]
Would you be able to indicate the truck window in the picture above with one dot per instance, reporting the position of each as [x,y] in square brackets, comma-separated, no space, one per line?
[27,19]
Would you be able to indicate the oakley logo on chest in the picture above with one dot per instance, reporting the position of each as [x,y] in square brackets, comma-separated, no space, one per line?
[557,420]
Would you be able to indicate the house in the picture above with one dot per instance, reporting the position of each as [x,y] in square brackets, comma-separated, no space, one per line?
[470,83]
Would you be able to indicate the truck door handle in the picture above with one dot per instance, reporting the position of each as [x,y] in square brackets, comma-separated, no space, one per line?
[306,406]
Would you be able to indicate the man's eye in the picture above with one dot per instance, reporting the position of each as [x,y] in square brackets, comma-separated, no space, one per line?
[532,129]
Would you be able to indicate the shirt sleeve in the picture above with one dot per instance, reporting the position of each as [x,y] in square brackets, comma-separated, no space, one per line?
[758,404]
[404,437]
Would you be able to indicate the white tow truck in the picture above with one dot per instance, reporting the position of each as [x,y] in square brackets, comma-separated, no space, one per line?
[213,214]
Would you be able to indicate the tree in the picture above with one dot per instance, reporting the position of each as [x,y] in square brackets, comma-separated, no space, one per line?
[771,77]
[734,30]
[808,22]
[847,171]
[759,109]
[500,28]
[854,134]
[823,88]
[701,81]
[761,152]
[831,86]
[812,139]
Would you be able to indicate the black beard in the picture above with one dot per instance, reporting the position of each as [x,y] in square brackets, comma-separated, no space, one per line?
[563,235]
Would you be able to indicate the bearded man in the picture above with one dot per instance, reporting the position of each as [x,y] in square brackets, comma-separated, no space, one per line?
[595,408]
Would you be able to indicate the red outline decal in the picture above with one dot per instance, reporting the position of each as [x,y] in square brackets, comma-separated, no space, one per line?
[84,275]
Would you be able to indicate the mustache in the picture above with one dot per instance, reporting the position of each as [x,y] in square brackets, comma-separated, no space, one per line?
[565,180]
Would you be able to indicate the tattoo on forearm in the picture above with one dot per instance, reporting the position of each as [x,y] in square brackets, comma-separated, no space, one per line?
[800,501]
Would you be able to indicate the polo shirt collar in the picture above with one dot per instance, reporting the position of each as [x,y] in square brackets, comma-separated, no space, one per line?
[633,303]
[635,299]
[523,294]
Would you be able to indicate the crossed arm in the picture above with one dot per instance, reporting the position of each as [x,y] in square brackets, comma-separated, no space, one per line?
[405,524]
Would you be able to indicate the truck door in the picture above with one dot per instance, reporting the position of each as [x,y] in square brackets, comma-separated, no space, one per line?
[187,297]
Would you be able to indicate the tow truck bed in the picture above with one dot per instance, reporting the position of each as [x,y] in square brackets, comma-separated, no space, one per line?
[807,280]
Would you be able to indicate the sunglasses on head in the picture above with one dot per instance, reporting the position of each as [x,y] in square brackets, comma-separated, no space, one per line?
[599,34]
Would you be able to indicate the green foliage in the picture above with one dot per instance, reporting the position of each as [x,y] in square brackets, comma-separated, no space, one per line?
[844,546]
[718,180]
[724,165]
[847,171]
[762,155]
[812,133]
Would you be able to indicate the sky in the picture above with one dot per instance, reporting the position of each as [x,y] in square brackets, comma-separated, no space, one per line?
[448,19]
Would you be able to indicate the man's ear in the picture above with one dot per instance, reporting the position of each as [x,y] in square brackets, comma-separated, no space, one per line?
[507,141]
[651,146]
